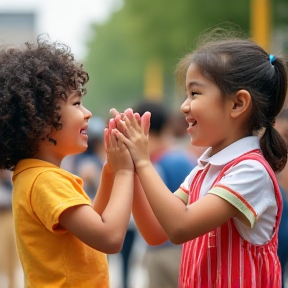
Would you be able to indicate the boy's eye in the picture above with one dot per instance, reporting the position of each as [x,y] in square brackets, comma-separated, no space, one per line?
[193,93]
[77,103]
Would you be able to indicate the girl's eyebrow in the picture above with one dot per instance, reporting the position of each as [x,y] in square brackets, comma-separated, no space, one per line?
[194,83]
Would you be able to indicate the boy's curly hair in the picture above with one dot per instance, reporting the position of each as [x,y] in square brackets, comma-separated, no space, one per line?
[33,80]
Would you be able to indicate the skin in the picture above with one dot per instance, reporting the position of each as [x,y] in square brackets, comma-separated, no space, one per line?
[227,124]
[103,226]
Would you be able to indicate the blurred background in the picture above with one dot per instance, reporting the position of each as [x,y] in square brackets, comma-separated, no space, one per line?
[130,49]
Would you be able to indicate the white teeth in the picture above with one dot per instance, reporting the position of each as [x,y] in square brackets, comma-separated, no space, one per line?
[191,124]
[84,132]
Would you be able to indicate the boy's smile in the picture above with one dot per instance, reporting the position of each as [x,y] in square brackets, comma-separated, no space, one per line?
[72,138]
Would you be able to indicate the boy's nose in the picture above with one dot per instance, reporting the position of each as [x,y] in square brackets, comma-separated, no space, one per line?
[87,113]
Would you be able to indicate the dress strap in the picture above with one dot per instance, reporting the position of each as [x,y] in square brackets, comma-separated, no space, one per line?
[258,156]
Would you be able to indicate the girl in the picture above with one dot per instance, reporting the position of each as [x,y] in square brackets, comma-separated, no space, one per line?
[61,237]
[227,211]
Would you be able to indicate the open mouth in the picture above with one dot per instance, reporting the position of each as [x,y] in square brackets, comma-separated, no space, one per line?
[191,124]
[83,131]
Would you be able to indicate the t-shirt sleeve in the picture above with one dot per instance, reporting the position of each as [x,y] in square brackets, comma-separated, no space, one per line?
[183,191]
[248,187]
[52,193]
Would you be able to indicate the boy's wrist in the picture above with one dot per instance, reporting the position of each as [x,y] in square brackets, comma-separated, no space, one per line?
[125,172]
[107,168]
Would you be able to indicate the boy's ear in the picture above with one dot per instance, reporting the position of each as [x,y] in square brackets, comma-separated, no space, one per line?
[241,103]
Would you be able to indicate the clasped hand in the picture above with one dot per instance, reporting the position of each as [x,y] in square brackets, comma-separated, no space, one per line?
[132,130]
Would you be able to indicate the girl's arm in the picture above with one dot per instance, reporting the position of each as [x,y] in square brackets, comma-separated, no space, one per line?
[144,217]
[180,222]
[106,231]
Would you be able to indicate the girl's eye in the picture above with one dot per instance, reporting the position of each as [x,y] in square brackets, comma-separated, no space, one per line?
[77,103]
[193,93]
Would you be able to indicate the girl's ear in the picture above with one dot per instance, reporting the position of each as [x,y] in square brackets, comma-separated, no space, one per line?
[241,103]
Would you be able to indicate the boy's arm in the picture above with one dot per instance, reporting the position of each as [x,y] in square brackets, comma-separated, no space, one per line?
[144,217]
[104,232]
[104,191]
[104,228]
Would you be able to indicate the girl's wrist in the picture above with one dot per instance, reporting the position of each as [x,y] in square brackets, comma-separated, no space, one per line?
[142,164]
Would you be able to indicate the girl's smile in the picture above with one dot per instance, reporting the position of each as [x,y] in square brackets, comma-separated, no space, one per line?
[206,112]
[191,124]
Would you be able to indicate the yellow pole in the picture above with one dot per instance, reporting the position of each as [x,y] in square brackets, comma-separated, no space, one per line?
[153,82]
[260,22]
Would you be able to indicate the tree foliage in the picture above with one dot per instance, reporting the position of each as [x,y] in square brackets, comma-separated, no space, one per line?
[143,30]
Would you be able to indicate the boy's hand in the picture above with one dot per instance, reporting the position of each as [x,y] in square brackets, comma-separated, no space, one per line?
[134,133]
[118,156]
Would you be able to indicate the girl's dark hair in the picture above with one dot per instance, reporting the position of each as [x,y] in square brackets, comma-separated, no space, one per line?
[234,63]
[33,80]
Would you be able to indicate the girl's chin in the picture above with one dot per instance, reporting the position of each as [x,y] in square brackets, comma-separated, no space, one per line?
[196,143]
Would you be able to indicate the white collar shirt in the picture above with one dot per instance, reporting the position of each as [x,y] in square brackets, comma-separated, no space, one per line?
[249,179]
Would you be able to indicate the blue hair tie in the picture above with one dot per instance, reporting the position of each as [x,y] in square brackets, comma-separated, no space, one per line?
[271,58]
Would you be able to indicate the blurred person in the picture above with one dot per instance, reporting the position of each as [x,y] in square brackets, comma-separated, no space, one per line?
[62,237]
[227,211]
[162,262]
[9,261]
[281,125]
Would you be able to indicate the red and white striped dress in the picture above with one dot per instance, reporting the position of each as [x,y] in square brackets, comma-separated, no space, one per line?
[222,258]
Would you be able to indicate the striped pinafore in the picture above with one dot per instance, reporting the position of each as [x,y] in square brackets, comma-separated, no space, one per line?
[222,258]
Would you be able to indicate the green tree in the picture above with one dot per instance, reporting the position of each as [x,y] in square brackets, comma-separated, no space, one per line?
[143,30]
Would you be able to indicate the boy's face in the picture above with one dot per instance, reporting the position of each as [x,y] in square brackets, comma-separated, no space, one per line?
[71,137]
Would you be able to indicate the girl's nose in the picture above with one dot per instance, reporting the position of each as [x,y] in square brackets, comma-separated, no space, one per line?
[185,107]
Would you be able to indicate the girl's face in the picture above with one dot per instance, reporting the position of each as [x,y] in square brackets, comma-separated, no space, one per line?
[206,111]
[72,138]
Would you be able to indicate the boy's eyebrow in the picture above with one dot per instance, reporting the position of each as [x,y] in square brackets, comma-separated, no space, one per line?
[76,94]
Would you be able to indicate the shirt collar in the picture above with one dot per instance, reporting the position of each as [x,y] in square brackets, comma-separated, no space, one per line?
[229,153]
[31,163]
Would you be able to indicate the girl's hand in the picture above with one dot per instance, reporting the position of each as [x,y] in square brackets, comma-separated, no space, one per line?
[144,121]
[118,156]
[133,132]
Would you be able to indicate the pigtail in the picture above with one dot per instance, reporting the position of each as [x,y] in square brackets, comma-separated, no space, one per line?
[273,146]
[274,149]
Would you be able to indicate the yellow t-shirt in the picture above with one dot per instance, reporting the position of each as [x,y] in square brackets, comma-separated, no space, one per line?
[50,255]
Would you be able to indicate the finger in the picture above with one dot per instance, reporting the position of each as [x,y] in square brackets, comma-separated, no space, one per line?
[120,143]
[111,125]
[114,112]
[106,138]
[113,139]
[124,126]
[126,119]
[138,117]
[134,118]
[121,137]
[145,122]
[129,113]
